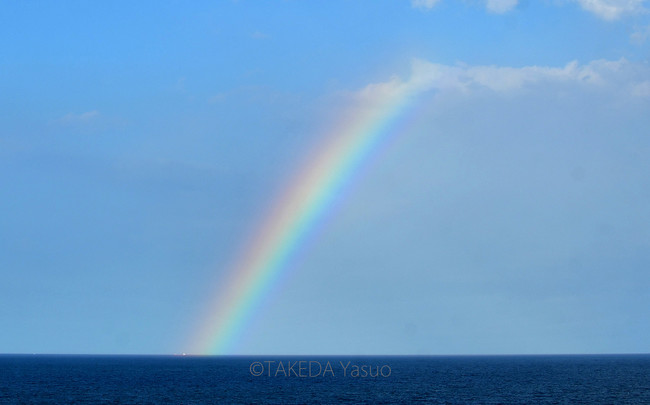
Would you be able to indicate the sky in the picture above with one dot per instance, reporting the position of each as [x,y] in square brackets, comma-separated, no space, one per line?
[506,209]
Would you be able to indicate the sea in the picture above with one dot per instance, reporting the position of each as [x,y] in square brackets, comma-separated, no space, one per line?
[92,379]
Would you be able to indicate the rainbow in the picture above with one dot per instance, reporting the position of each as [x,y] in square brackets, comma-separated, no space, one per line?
[296,214]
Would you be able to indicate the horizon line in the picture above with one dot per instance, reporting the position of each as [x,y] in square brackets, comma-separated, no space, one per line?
[329,355]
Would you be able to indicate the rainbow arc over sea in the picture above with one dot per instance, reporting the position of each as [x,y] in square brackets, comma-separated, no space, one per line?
[296,213]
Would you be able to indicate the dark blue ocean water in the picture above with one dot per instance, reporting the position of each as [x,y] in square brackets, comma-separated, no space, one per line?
[611,379]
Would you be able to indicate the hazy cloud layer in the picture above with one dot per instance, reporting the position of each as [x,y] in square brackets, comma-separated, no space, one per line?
[509,194]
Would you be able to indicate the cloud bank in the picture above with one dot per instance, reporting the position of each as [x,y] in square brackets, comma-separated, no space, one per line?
[620,76]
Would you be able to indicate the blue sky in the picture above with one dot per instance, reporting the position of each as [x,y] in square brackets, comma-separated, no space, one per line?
[141,144]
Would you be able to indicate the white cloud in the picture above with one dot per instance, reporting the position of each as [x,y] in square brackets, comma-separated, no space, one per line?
[75,119]
[427,76]
[500,6]
[425,4]
[640,34]
[612,9]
